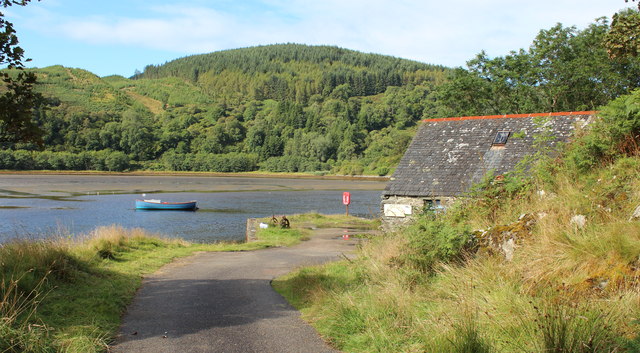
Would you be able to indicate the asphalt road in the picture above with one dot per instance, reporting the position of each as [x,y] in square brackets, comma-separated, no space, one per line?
[223,302]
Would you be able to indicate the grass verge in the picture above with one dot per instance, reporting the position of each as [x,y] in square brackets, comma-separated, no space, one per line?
[316,220]
[568,287]
[68,295]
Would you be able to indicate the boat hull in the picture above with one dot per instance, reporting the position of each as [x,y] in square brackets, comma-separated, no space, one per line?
[163,205]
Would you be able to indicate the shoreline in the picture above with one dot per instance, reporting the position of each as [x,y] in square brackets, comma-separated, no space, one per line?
[198,174]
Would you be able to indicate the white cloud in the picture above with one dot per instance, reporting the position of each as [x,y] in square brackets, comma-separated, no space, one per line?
[431,31]
[186,30]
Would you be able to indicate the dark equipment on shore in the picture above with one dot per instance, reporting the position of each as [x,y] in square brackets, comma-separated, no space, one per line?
[284,222]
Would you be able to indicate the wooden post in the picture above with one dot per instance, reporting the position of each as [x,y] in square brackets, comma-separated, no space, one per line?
[346,200]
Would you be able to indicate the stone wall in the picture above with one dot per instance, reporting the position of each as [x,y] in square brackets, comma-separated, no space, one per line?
[399,211]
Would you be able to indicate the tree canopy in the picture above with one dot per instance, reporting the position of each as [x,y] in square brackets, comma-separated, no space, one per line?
[17,97]
[564,69]
[295,108]
[623,39]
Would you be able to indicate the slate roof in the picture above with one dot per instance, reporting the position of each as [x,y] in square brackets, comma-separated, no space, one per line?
[448,155]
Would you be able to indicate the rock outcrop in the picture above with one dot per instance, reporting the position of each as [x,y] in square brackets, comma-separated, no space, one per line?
[504,239]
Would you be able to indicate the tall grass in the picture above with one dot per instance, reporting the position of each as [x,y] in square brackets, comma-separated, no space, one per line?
[46,282]
[67,293]
[18,331]
[32,261]
[570,328]
[568,288]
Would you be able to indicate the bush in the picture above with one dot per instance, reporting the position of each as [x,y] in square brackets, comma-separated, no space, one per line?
[43,160]
[50,160]
[278,165]
[171,160]
[233,162]
[23,160]
[6,159]
[432,241]
[351,167]
[209,162]
[615,134]
[293,164]
[117,161]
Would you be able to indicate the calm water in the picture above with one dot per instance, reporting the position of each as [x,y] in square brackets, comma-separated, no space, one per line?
[38,206]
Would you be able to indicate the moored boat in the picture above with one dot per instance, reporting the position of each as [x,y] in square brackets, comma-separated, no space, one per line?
[165,205]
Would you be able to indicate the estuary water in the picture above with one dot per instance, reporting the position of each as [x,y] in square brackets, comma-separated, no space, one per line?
[40,206]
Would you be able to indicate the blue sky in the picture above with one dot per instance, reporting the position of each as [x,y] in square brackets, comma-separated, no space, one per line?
[120,36]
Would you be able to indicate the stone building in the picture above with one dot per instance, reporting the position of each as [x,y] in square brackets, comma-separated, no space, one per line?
[447,156]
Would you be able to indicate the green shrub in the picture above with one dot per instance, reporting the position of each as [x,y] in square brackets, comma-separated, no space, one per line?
[23,160]
[117,161]
[233,162]
[432,241]
[615,134]
[292,164]
[6,159]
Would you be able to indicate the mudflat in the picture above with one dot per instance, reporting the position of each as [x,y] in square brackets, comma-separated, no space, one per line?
[57,184]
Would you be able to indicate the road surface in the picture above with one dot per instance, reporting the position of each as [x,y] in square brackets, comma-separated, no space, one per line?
[223,302]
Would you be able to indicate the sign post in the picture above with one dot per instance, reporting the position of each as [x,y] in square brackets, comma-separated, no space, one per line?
[346,200]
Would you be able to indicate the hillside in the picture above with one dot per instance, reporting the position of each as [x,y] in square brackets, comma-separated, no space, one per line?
[292,72]
[281,108]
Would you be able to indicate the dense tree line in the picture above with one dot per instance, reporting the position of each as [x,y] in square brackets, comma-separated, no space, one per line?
[292,72]
[297,108]
[297,117]
[564,69]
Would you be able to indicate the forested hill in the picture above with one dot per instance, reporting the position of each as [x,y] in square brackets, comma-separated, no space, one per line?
[283,108]
[292,72]
[272,57]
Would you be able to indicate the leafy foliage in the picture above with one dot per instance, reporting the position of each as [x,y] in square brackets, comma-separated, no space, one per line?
[615,134]
[298,108]
[564,69]
[281,108]
[623,39]
[432,241]
[17,97]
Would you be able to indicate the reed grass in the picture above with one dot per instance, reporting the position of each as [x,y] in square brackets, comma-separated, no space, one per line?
[18,331]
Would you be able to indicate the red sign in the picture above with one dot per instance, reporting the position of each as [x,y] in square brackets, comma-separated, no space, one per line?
[346,198]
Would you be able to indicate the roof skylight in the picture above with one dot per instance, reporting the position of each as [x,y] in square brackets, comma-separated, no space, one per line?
[501,138]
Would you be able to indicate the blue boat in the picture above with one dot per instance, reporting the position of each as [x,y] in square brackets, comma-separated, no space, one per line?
[164,205]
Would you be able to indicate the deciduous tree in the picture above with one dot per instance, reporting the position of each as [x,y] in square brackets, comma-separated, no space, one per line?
[623,39]
[17,98]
